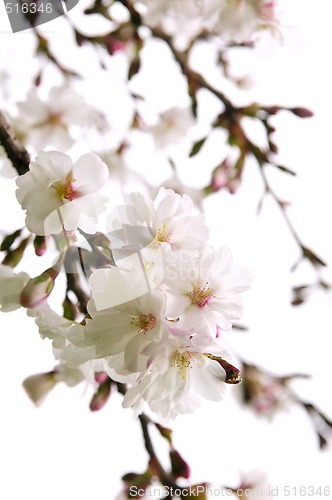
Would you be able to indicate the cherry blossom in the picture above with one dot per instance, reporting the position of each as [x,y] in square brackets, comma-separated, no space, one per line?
[203,292]
[47,122]
[170,218]
[127,330]
[172,127]
[180,375]
[59,195]
[238,20]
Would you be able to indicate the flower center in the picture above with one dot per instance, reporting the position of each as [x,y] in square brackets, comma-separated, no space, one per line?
[201,296]
[162,235]
[182,360]
[144,323]
[65,191]
[54,118]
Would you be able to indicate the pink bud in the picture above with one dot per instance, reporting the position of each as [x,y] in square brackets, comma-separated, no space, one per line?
[101,377]
[302,112]
[37,289]
[100,397]
[40,246]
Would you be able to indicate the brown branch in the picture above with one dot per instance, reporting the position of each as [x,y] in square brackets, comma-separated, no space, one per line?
[16,153]
[182,59]
[73,282]
[165,477]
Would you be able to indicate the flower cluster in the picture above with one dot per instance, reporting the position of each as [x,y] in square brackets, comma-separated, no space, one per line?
[158,303]
[153,318]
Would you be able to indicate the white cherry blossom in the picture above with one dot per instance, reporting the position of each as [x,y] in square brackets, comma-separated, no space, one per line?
[180,376]
[172,127]
[203,291]
[238,20]
[76,360]
[179,18]
[127,330]
[59,195]
[45,123]
[170,218]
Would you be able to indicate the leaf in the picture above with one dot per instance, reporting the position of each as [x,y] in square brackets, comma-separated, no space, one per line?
[134,67]
[13,257]
[165,432]
[197,147]
[314,259]
[286,169]
[9,240]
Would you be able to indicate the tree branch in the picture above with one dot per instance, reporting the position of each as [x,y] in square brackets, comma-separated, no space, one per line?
[192,76]
[16,153]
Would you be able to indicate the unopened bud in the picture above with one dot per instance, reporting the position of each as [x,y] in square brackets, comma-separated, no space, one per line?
[37,289]
[38,386]
[271,110]
[302,112]
[101,377]
[180,468]
[100,398]
[40,246]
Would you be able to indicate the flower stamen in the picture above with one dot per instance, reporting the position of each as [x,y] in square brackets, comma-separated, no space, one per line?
[65,191]
[201,296]
[182,361]
[145,323]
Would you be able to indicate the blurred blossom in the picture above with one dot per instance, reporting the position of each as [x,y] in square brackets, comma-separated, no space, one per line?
[44,123]
[172,127]
[238,20]
[265,393]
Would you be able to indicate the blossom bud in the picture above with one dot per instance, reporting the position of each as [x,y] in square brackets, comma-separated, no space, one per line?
[38,289]
[38,386]
[180,468]
[272,110]
[302,112]
[40,246]
[101,396]
[101,377]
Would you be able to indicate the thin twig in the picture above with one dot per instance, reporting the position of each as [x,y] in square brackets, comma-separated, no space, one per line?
[165,477]
[16,153]
[182,59]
